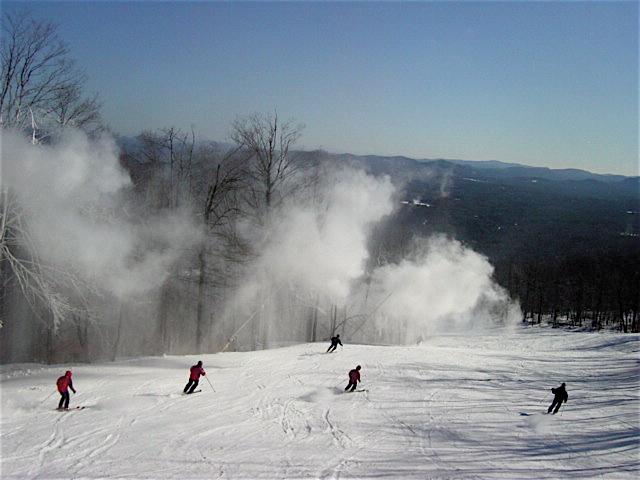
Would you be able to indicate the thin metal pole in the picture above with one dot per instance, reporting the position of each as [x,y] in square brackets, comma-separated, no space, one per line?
[210,383]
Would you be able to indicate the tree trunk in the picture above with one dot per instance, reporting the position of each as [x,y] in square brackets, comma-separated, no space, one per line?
[201,321]
[163,319]
[116,343]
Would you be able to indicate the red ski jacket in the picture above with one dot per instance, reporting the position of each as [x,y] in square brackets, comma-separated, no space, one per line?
[354,376]
[63,383]
[196,371]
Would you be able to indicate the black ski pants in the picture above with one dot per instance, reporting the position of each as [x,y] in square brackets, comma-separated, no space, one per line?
[556,403]
[191,385]
[64,400]
[351,385]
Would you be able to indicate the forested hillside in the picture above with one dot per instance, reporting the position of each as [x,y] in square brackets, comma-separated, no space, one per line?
[565,243]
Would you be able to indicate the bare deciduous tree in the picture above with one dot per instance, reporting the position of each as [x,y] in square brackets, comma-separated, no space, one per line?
[41,91]
[220,210]
[174,170]
[271,164]
[269,171]
[41,86]
[54,294]
[169,155]
[71,108]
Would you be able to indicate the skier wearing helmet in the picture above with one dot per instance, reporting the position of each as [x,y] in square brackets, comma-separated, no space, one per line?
[64,383]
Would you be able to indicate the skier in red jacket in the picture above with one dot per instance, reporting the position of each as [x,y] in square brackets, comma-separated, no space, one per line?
[194,378]
[64,383]
[354,378]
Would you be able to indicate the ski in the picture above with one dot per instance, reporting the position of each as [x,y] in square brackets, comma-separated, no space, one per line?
[70,409]
[195,391]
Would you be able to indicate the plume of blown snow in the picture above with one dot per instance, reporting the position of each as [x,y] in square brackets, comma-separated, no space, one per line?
[70,193]
[323,245]
[444,286]
[320,249]
[318,244]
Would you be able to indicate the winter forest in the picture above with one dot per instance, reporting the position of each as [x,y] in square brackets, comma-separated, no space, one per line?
[170,244]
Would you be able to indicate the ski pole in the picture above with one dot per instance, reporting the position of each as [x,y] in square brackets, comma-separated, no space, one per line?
[47,397]
[210,383]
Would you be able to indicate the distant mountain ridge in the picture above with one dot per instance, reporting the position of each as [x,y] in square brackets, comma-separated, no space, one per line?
[504,169]
[580,183]
[514,170]
[499,169]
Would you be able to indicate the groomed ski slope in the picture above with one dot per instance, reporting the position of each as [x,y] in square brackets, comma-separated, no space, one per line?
[457,406]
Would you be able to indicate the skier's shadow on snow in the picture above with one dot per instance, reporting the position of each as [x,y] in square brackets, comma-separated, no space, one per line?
[338,390]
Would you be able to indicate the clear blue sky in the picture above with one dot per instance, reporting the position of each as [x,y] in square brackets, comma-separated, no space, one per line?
[541,83]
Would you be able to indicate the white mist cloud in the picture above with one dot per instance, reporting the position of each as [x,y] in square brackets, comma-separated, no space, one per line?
[70,194]
[76,169]
[444,286]
[322,248]
[318,244]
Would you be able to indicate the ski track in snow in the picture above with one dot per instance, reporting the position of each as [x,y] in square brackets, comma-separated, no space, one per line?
[457,406]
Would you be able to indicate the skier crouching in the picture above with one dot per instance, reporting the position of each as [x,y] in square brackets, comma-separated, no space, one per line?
[194,377]
[354,378]
[334,343]
[64,383]
[561,395]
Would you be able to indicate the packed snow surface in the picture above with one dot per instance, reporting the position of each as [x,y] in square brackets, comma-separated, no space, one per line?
[455,406]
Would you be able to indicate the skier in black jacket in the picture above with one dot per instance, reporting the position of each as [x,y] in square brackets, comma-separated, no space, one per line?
[560,396]
[334,343]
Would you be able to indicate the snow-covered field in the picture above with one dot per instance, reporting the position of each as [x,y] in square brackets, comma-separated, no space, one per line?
[457,406]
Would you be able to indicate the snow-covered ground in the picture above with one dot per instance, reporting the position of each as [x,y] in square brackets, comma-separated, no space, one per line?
[456,406]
